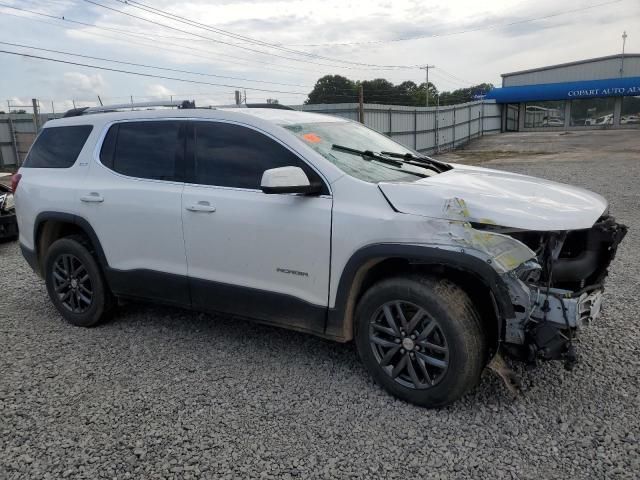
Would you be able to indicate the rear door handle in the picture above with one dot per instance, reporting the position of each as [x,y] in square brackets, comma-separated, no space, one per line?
[201,206]
[93,197]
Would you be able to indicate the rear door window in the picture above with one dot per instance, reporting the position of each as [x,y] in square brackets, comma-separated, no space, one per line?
[57,147]
[150,149]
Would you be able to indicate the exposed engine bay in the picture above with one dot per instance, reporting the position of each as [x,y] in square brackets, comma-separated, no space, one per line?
[560,290]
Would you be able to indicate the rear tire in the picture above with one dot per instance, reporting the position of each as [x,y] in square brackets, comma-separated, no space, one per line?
[421,339]
[75,282]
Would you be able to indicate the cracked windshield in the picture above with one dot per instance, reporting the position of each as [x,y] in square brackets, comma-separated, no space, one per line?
[322,136]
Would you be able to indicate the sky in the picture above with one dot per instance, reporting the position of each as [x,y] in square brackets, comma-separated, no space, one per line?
[232,45]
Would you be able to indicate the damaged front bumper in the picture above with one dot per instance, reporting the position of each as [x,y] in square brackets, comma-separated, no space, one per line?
[550,310]
[547,321]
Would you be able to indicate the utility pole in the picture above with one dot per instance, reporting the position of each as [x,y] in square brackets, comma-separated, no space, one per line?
[624,41]
[426,69]
[238,101]
[361,104]
[36,119]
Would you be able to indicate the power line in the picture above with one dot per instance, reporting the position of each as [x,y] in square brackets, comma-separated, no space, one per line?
[150,66]
[445,73]
[378,67]
[220,31]
[447,79]
[350,92]
[180,48]
[141,74]
[155,46]
[459,32]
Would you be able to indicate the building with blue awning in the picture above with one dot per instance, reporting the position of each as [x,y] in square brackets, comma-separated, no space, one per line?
[597,93]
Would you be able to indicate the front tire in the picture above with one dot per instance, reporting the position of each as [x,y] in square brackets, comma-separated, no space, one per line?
[421,339]
[75,283]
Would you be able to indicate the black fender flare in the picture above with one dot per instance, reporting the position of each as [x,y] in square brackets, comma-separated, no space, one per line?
[340,316]
[81,222]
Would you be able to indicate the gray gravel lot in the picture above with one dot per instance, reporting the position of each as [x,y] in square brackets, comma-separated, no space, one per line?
[160,392]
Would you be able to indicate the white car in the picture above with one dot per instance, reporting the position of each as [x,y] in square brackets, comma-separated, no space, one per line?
[318,224]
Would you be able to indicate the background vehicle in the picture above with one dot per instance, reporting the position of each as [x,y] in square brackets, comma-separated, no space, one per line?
[553,122]
[630,119]
[604,120]
[8,222]
[318,224]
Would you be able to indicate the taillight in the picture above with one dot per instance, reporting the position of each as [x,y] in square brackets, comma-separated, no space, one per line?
[15,180]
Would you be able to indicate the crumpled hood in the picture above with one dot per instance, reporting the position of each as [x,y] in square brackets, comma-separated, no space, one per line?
[489,196]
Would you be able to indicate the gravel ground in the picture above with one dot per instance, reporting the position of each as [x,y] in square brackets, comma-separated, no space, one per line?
[160,392]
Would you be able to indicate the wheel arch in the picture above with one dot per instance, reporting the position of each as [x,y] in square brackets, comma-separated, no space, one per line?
[50,226]
[375,262]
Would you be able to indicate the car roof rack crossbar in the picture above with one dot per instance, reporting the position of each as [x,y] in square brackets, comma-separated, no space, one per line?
[75,112]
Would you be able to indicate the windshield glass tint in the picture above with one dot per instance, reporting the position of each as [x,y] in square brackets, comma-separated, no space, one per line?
[322,135]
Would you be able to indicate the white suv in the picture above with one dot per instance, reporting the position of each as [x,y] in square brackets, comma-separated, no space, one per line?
[317,224]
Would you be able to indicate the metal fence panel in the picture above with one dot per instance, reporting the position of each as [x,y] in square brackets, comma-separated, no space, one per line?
[425,129]
[7,156]
[17,132]
[5,135]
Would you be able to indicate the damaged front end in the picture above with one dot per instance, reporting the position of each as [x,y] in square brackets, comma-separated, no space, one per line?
[558,291]
[550,244]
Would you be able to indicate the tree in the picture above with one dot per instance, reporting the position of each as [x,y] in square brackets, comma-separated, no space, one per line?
[406,93]
[333,89]
[378,90]
[273,101]
[420,96]
[463,95]
[339,89]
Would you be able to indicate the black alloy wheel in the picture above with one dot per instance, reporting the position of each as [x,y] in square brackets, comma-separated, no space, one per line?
[72,283]
[421,338]
[409,344]
[75,282]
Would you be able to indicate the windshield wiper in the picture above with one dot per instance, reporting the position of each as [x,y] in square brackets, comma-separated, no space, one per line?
[397,159]
[420,160]
[369,156]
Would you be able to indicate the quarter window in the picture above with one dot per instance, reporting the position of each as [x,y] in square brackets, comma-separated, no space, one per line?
[235,156]
[57,147]
[153,150]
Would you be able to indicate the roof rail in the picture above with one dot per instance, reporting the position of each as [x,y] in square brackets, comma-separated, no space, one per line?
[276,106]
[75,112]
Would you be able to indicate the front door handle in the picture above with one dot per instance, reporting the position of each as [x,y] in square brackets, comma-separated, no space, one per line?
[93,197]
[201,206]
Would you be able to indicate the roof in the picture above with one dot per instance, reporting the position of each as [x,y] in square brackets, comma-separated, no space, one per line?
[568,64]
[611,87]
[288,117]
[273,116]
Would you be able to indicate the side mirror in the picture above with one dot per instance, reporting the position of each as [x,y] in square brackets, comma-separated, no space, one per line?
[287,180]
